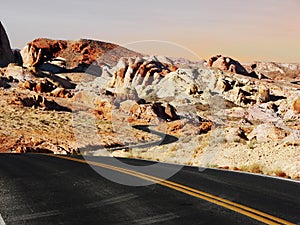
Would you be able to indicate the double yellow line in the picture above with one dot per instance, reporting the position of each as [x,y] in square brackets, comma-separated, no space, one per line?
[247,211]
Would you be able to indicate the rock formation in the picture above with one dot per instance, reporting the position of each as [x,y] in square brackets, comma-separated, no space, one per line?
[17,57]
[276,71]
[77,55]
[6,54]
[45,86]
[263,94]
[40,101]
[226,64]
[145,113]
[140,71]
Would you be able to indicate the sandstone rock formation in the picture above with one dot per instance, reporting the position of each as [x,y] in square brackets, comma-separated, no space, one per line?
[140,71]
[276,71]
[39,101]
[145,113]
[45,86]
[77,55]
[6,54]
[226,64]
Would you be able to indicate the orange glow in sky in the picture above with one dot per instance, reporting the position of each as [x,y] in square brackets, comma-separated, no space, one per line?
[256,30]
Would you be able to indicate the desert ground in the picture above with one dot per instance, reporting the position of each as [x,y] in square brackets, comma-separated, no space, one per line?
[86,97]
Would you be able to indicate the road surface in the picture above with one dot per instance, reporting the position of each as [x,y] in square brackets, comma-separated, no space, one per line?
[49,189]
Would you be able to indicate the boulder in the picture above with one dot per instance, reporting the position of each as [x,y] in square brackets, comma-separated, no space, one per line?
[126,93]
[4,83]
[226,64]
[165,111]
[15,71]
[61,93]
[6,54]
[223,85]
[296,105]
[44,86]
[27,85]
[18,73]
[205,127]
[235,134]
[263,94]
[148,112]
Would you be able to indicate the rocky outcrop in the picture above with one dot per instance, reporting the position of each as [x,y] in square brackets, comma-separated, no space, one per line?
[19,73]
[39,101]
[45,86]
[6,54]
[140,71]
[276,71]
[76,55]
[226,64]
[263,94]
[17,57]
[145,113]
[41,50]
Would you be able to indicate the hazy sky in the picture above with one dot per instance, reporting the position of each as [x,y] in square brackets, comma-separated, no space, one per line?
[267,30]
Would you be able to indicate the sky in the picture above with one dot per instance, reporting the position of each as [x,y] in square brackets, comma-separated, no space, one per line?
[253,30]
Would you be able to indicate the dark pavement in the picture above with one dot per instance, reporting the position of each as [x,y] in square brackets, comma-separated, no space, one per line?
[41,189]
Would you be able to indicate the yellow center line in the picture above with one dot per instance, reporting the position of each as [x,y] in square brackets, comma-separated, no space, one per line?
[247,211]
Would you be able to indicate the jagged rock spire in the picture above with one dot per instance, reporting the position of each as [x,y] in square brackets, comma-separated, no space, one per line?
[6,54]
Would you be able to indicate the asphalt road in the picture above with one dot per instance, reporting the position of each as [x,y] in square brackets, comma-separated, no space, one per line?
[43,189]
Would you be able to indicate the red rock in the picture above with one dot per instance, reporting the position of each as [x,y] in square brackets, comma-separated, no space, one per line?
[226,64]
[43,87]
[76,53]
[61,93]
[205,127]
[103,110]
[27,85]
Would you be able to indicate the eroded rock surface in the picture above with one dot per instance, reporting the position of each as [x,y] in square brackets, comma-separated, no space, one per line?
[226,64]
[141,71]
[59,55]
